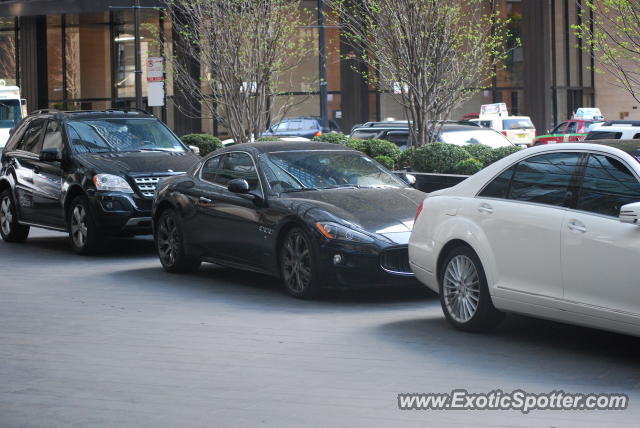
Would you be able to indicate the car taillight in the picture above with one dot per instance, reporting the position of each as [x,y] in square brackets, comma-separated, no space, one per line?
[317,134]
[504,133]
[419,211]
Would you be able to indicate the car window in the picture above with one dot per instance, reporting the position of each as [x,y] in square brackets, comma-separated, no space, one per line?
[559,129]
[636,136]
[31,139]
[53,136]
[365,134]
[607,185]
[16,138]
[294,125]
[486,123]
[237,165]
[499,187]
[281,127]
[603,135]
[309,125]
[517,124]
[210,168]
[399,138]
[544,179]
[572,128]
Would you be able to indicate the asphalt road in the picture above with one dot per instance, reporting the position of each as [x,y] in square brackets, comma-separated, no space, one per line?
[115,341]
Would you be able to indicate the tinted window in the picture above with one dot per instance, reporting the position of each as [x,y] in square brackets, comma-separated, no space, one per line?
[31,139]
[53,136]
[399,138]
[486,123]
[365,134]
[607,185]
[210,168]
[499,187]
[237,165]
[572,128]
[559,129]
[517,124]
[544,179]
[603,135]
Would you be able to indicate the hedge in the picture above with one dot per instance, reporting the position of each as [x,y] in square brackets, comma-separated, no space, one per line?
[334,137]
[438,158]
[205,142]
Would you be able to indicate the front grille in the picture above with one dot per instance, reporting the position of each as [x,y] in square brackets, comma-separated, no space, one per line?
[147,185]
[396,261]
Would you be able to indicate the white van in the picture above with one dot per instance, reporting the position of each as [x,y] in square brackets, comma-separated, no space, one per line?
[11,110]
[518,129]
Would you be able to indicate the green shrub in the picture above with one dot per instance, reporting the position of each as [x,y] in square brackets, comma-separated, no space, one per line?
[501,152]
[375,148]
[385,161]
[334,137]
[480,152]
[357,144]
[404,160]
[438,158]
[467,166]
[267,139]
[205,142]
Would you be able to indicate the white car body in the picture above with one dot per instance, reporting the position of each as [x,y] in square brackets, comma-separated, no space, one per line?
[613,132]
[11,110]
[542,260]
[518,129]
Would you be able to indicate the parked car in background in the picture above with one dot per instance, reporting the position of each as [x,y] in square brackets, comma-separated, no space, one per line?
[306,126]
[552,232]
[616,130]
[518,129]
[91,173]
[453,132]
[11,111]
[314,214]
[568,131]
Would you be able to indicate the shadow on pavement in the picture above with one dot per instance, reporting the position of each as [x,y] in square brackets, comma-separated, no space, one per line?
[526,350]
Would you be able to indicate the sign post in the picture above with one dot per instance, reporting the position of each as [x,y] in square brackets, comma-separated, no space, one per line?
[155,81]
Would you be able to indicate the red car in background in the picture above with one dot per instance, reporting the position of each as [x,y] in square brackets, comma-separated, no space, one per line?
[568,131]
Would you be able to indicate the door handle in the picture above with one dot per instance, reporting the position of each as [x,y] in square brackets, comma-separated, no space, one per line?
[204,200]
[577,226]
[485,208]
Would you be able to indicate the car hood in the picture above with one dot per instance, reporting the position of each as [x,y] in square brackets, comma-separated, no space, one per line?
[388,212]
[138,163]
[4,136]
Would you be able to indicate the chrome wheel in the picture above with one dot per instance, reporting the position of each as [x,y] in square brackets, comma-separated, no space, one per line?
[461,288]
[79,229]
[6,216]
[168,239]
[296,263]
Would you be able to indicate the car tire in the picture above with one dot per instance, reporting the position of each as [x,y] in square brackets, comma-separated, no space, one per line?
[86,238]
[10,229]
[299,264]
[169,239]
[464,294]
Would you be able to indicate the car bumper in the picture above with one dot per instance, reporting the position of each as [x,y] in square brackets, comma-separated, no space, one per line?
[363,266]
[118,213]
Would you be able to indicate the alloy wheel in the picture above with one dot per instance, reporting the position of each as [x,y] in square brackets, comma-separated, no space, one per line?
[461,288]
[168,240]
[79,228]
[296,263]
[6,217]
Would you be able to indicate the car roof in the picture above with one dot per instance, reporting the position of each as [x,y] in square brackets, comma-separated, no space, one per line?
[283,146]
[92,114]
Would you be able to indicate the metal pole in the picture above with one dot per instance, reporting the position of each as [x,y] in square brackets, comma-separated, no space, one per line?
[136,44]
[324,107]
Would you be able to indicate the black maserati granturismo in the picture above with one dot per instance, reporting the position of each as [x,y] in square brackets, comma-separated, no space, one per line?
[315,214]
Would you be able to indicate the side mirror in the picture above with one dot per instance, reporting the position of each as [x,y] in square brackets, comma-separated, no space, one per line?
[410,178]
[238,185]
[195,149]
[51,155]
[630,213]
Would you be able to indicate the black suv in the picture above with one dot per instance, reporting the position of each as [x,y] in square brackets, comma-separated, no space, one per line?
[90,173]
[306,126]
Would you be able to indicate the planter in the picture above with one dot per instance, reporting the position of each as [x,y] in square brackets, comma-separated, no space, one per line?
[429,182]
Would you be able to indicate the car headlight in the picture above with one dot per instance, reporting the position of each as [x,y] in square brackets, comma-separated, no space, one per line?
[336,231]
[111,183]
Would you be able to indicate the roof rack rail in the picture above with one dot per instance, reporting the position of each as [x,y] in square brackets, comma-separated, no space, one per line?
[44,111]
[621,122]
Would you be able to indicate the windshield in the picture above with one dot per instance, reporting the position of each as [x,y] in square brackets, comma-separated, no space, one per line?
[291,171]
[122,135]
[10,113]
[508,124]
[477,136]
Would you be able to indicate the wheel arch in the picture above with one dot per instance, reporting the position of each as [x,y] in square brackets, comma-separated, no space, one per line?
[282,232]
[73,192]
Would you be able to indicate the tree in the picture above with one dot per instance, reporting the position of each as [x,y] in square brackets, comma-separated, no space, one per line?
[610,30]
[432,55]
[246,48]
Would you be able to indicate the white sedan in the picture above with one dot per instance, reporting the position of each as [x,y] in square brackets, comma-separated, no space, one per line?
[552,232]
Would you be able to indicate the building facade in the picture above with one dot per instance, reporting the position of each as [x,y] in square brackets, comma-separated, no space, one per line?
[79,54]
